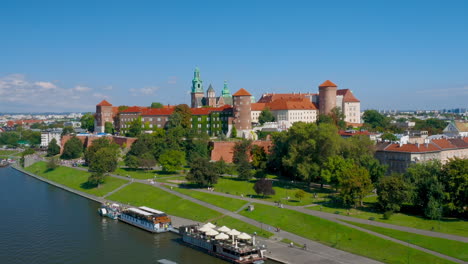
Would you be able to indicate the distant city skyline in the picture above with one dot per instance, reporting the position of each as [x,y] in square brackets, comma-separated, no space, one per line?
[59,56]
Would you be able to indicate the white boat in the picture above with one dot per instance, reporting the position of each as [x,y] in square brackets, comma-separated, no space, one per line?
[146,218]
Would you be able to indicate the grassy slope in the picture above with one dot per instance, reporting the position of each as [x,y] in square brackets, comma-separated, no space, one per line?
[141,173]
[339,236]
[75,179]
[138,194]
[447,247]
[220,201]
[447,225]
[282,189]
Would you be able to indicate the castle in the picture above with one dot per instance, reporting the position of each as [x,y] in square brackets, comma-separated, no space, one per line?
[218,115]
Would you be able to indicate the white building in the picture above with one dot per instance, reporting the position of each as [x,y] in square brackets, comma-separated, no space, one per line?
[456,129]
[46,137]
[287,110]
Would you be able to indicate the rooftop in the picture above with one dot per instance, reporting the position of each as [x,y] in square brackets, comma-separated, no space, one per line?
[328,83]
[242,92]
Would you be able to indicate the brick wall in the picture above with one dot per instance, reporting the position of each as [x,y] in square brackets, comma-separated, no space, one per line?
[225,149]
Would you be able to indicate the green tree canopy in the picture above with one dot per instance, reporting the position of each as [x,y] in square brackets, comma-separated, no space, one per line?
[172,160]
[156,105]
[68,130]
[104,160]
[203,172]
[87,122]
[108,128]
[375,120]
[393,191]
[264,187]
[266,116]
[354,185]
[389,136]
[72,149]
[53,148]
[454,177]
[135,127]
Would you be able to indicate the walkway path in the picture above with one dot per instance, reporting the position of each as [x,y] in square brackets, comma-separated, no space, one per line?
[330,216]
[320,253]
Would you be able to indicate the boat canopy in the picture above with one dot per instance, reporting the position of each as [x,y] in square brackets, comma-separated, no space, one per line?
[151,210]
[138,211]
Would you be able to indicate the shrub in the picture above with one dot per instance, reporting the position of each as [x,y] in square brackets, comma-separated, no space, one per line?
[371,218]
[387,215]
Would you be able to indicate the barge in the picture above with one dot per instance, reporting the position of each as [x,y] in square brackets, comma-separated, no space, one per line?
[146,218]
[227,244]
[110,210]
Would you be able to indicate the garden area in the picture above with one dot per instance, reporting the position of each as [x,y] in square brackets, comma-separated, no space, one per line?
[75,179]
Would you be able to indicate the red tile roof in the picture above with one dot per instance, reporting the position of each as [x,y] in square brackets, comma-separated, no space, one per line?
[270,97]
[157,111]
[327,83]
[443,143]
[298,104]
[134,109]
[208,110]
[412,148]
[347,95]
[458,142]
[104,103]
[242,92]
[257,106]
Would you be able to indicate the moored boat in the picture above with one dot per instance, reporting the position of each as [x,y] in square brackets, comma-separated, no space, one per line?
[146,218]
[230,245]
[110,210]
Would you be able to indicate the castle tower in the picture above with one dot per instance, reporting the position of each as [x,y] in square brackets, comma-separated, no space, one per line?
[197,90]
[226,94]
[104,113]
[327,97]
[211,97]
[242,111]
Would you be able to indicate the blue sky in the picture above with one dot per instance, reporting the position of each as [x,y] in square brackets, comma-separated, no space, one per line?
[69,55]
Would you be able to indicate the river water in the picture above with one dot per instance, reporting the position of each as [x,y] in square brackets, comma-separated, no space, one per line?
[40,223]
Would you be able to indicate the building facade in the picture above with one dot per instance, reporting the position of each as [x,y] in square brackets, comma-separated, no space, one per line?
[105,112]
[199,99]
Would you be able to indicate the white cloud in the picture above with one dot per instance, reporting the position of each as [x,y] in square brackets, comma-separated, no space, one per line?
[46,85]
[17,93]
[144,91]
[100,95]
[108,88]
[81,88]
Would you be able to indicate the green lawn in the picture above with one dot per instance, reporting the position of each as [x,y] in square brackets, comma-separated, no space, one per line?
[138,194]
[227,203]
[141,173]
[173,179]
[447,247]
[446,225]
[241,226]
[75,179]
[282,190]
[339,236]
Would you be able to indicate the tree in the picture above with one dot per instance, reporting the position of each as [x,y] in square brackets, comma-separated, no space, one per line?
[375,120]
[221,166]
[392,191]
[182,116]
[427,187]
[108,128]
[322,118]
[156,105]
[68,130]
[172,160]
[52,164]
[373,166]
[96,178]
[104,161]
[300,194]
[196,148]
[389,136]
[87,122]
[147,161]
[203,172]
[100,143]
[259,157]
[264,187]
[454,177]
[135,127]
[332,170]
[241,150]
[53,148]
[354,185]
[233,132]
[266,116]
[244,169]
[338,117]
[132,161]
[72,149]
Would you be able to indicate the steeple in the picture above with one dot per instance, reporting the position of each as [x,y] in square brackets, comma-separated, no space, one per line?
[226,92]
[197,83]
[210,92]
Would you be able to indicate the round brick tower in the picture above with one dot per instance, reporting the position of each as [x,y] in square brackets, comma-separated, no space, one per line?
[327,97]
[242,110]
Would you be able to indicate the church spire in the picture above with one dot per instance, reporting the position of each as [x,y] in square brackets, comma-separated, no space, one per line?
[197,83]
[226,91]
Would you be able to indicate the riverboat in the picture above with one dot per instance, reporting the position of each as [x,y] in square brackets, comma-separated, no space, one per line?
[239,248]
[110,210]
[146,218]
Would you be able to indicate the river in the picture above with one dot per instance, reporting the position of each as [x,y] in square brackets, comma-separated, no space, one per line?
[40,223]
